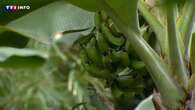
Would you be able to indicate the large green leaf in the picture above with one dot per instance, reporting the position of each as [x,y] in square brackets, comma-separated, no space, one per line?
[91,5]
[126,10]
[44,23]
[21,58]
[12,39]
[146,104]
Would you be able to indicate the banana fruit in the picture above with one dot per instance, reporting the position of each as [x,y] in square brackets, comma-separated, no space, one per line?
[106,54]
[121,57]
[100,17]
[92,68]
[101,42]
[115,40]
[97,72]
[136,64]
[92,52]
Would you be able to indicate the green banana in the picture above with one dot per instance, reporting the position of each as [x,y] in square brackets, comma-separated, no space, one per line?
[116,92]
[92,52]
[118,41]
[122,57]
[115,57]
[83,40]
[84,58]
[124,72]
[137,64]
[104,16]
[97,72]
[130,50]
[112,26]
[107,61]
[92,68]
[98,19]
[128,47]
[147,35]
[128,83]
[125,82]
[102,43]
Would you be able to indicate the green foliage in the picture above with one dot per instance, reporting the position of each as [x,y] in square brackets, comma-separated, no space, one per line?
[146,104]
[104,55]
[46,87]
[92,5]
[21,58]
[43,27]
[127,14]
[7,39]
[37,89]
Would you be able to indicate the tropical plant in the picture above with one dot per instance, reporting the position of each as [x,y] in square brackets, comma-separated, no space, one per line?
[98,55]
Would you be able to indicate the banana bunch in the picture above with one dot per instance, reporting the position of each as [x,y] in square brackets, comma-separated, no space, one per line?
[105,54]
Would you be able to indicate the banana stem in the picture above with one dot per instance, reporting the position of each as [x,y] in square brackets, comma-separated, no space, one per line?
[159,72]
[58,51]
[155,25]
[175,55]
[186,26]
[192,105]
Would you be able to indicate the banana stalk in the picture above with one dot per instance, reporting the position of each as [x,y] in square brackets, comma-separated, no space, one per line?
[175,54]
[155,24]
[185,25]
[159,72]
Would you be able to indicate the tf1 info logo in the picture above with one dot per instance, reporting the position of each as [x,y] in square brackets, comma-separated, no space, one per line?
[16,7]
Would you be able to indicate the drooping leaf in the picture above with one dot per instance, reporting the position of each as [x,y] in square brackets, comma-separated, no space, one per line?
[21,58]
[44,23]
[146,104]
[126,10]
[69,39]
[12,39]
[91,5]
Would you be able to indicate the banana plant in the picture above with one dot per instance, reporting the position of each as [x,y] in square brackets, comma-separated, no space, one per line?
[115,52]
[168,62]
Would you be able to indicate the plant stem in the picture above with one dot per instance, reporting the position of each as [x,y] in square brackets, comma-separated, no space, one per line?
[155,25]
[159,72]
[192,106]
[176,59]
[186,26]
[58,51]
